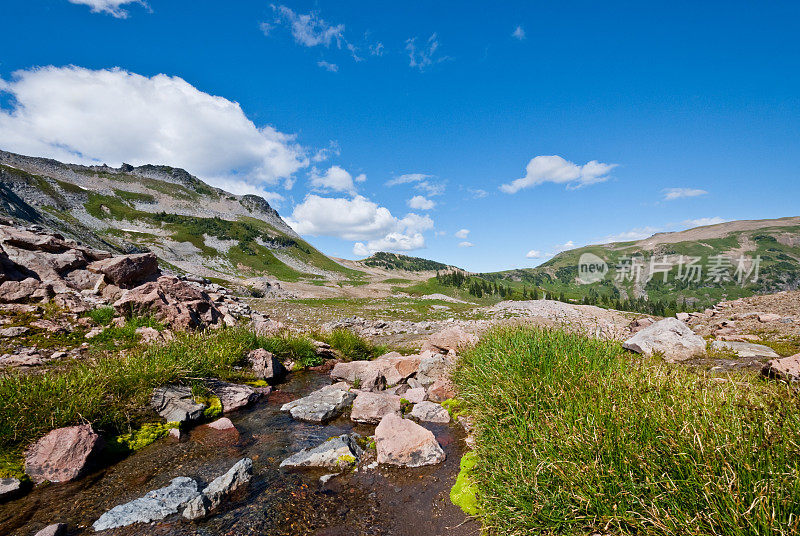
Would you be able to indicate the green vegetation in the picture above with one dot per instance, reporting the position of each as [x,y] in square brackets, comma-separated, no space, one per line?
[573,437]
[135,196]
[464,492]
[102,316]
[353,347]
[394,261]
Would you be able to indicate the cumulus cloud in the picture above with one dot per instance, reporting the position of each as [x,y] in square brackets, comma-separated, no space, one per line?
[113,116]
[534,254]
[678,193]
[112,7]
[555,169]
[330,67]
[360,219]
[700,222]
[336,179]
[463,233]
[466,244]
[419,202]
[518,33]
[424,56]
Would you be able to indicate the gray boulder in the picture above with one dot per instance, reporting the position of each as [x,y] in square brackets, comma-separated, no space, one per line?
[746,349]
[233,396]
[9,488]
[154,506]
[430,412]
[212,495]
[321,405]
[336,453]
[671,337]
[176,404]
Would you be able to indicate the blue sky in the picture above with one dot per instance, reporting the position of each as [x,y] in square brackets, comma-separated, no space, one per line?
[616,120]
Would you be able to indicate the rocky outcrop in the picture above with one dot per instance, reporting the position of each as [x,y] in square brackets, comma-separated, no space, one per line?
[786,369]
[212,496]
[451,339]
[175,302]
[404,443]
[176,404]
[154,506]
[670,337]
[336,453]
[321,405]
[233,396]
[430,412]
[126,271]
[266,366]
[62,455]
[370,408]
[746,349]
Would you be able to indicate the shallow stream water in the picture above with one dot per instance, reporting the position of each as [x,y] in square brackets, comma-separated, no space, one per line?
[383,501]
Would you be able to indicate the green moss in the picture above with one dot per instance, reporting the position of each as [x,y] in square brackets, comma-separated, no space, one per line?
[138,439]
[345,459]
[12,465]
[454,407]
[464,493]
[213,406]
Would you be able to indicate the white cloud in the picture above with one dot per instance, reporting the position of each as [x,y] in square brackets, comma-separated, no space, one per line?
[376,49]
[534,254]
[700,222]
[477,193]
[112,7]
[335,179]
[463,233]
[360,219]
[639,233]
[330,67]
[113,116]
[323,154]
[419,202]
[407,179]
[309,30]
[555,169]
[518,33]
[430,188]
[424,57]
[466,244]
[678,193]
[565,246]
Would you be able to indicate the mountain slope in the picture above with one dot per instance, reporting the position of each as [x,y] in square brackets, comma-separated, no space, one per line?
[190,225]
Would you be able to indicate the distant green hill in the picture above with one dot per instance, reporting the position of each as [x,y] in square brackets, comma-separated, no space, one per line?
[395,261]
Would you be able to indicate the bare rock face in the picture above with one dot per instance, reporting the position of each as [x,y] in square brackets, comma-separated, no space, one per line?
[669,336]
[62,455]
[154,506]
[321,405]
[126,271]
[430,412]
[787,368]
[233,396]
[746,349]
[405,443]
[450,339]
[336,453]
[212,496]
[176,404]
[266,366]
[370,408]
[14,291]
[175,302]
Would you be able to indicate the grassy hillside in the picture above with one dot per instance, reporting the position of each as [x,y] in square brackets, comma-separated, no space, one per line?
[395,261]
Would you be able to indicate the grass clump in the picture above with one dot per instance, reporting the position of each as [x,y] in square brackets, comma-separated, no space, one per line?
[574,437]
[102,316]
[297,348]
[352,346]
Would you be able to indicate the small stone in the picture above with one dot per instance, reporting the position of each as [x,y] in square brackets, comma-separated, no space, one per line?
[768,317]
[222,424]
[266,366]
[9,488]
[15,331]
[233,396]
[321,405]
[430,412]
[370,408]
[338,452]
[58,529]
[176,404]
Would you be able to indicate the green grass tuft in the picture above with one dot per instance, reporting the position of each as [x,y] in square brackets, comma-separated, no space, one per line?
[574,437]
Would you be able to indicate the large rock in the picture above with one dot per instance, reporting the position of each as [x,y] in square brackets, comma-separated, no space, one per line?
[450,339]
[787,368]
[671,337]
[236,477]
[336,453]
[233,396]
[432,366]
[175,302]
[368,373]
[126,271]
[266,366]
[176,404]
[430,412]
[747,350]
[14,291]
[370,408]
[403,442]
[62,455]
[154,506]
[321,405]
[9,488]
